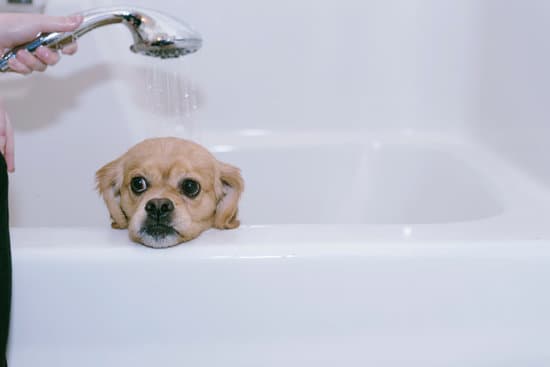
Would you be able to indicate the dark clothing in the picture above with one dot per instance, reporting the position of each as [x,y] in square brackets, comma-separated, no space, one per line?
[5,263]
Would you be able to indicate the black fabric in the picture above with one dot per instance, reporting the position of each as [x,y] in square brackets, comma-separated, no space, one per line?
[5,263]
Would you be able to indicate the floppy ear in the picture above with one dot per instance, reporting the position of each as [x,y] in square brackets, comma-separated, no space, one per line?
[227,207]
[109,180]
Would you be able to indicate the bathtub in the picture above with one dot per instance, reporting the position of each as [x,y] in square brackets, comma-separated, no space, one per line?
[397,203]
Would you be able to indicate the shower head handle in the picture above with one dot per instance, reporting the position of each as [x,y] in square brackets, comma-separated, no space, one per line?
[154,33]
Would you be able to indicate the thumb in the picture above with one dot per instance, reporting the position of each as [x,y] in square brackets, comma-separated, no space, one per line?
[16,29]
[48,23]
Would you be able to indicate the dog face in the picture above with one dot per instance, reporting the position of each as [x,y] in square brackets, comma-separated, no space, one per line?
[169,190]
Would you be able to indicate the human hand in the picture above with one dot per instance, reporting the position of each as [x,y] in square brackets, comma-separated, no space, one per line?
[17,29]
[6,138]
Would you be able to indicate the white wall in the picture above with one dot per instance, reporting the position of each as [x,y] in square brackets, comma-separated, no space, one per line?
[308,64]
[514,83]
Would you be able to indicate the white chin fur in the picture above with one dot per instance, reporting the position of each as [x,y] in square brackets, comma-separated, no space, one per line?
[167,241]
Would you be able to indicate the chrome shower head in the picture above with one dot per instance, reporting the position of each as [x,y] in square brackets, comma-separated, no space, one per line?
[157,34]
[154,33]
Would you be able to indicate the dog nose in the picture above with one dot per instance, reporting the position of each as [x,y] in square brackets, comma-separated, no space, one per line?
[159,208]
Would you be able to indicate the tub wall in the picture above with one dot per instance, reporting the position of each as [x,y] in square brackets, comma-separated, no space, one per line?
[514,84]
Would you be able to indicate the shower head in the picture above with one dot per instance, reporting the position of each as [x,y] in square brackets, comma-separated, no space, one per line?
[154,33]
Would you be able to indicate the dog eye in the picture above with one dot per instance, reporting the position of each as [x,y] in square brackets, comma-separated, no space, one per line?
[138,184]
[190,188]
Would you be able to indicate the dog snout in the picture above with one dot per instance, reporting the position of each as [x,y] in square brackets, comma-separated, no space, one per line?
[159,208]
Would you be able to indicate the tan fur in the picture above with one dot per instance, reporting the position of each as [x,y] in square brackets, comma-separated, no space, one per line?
[164,162]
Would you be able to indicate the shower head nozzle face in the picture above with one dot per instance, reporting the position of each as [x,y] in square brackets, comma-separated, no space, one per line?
[166,53]
[167,49]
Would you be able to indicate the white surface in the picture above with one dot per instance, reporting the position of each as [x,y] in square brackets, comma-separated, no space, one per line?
[397,205]
[278,296]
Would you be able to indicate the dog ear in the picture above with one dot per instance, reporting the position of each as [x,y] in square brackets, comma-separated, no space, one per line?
[228,200]
[109,181]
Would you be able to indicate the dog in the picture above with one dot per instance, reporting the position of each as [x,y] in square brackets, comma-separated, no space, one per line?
[169,190]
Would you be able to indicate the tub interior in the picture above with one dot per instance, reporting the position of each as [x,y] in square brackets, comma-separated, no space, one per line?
[347,184]
[333,184]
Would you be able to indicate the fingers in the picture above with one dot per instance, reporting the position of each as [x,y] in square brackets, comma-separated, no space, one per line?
[25,62]
[27,28]
[9,148]
[18,66]
[30,61]
[70,49]
[6,139]
[47,55]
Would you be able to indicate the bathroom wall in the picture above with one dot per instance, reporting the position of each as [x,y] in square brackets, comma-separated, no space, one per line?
[406,64]
[308,64]
[514,84]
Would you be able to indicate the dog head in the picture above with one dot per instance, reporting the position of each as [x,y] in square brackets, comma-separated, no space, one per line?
[169,190]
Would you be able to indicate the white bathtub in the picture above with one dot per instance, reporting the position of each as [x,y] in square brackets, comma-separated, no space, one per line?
[397,204]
